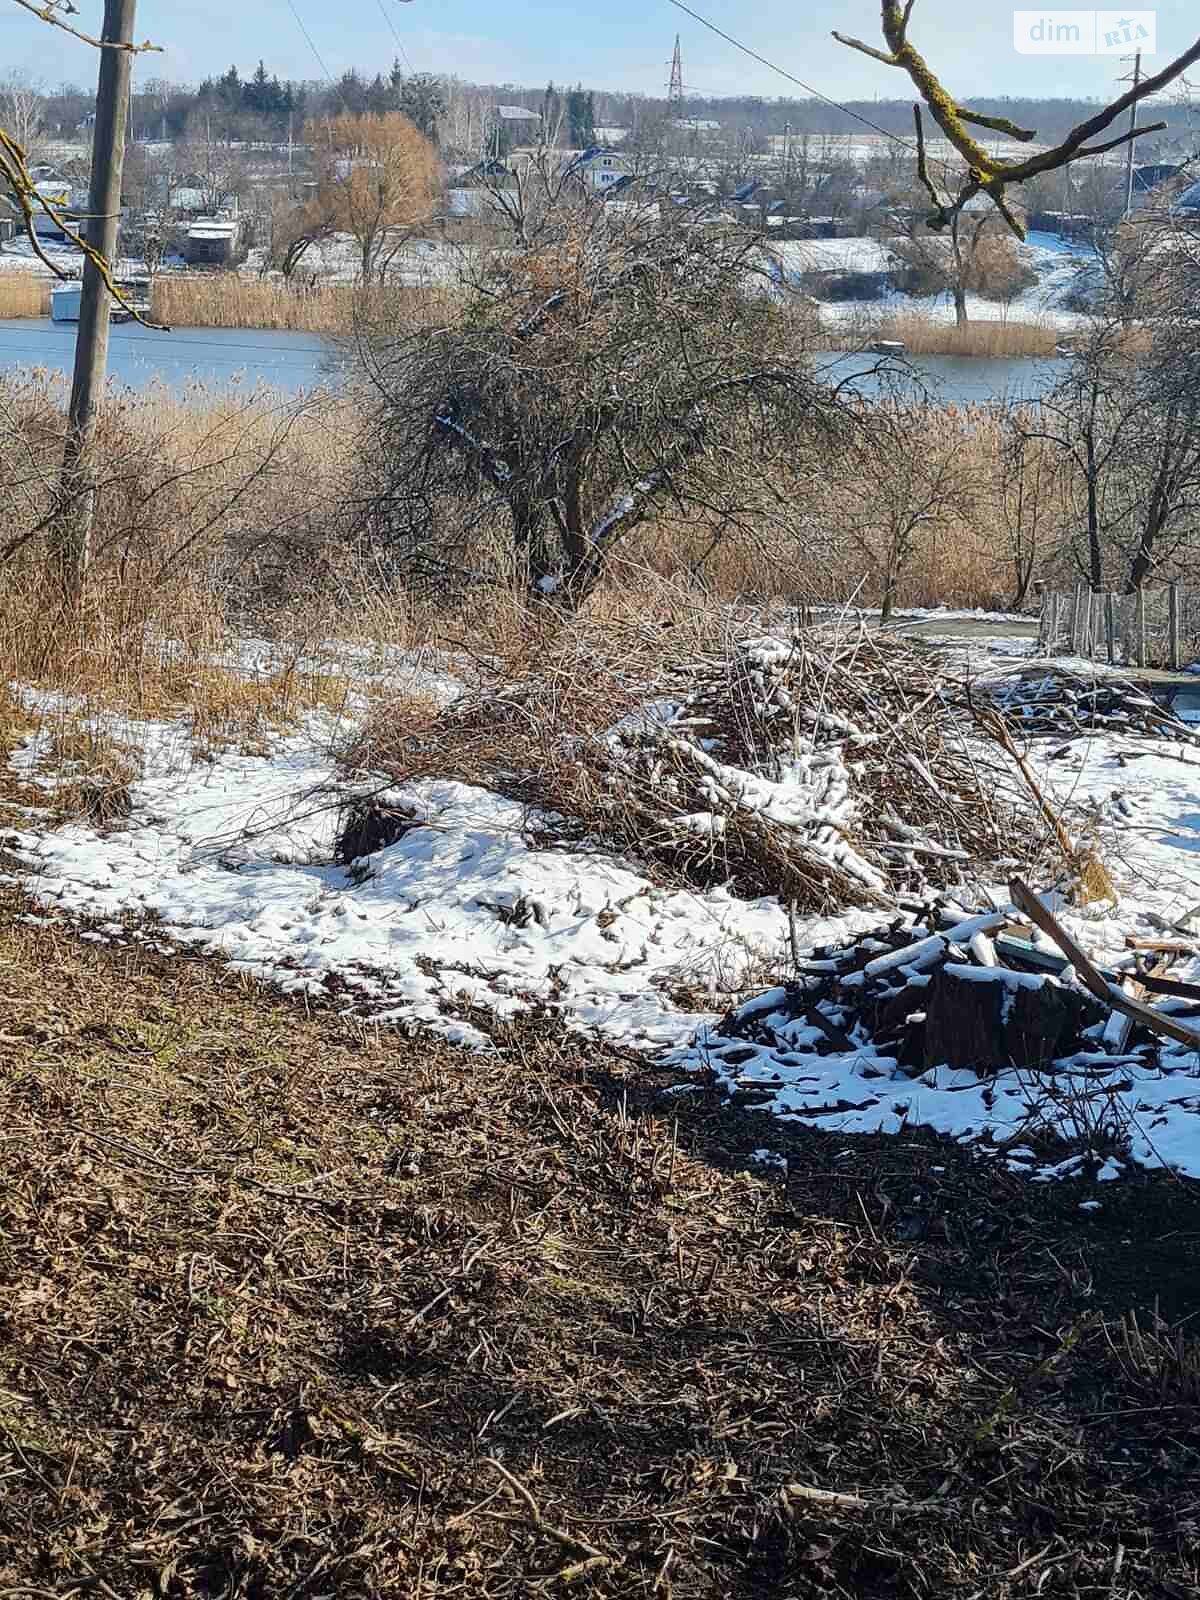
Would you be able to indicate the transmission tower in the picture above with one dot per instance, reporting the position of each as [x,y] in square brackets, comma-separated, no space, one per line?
[675,92]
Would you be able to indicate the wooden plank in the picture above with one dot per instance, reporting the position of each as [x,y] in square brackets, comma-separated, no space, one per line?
[1025,900]
[1110,627]
[1173,625]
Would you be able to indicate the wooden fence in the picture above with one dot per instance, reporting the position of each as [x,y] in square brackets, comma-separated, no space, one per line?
[1157,627]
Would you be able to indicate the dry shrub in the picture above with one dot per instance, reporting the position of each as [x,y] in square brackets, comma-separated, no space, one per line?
[24,294]
[214,510]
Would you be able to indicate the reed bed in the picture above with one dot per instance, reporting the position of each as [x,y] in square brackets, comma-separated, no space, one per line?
[228,300]
[994,338]
[24,294]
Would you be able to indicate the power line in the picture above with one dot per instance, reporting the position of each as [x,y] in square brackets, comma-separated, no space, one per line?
[311,45]
[791,77]
[387,17]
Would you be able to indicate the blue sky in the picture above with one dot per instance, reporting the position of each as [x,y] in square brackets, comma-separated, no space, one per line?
[620,44]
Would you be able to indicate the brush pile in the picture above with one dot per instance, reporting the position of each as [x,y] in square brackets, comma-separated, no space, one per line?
[945,988]
[827,768]
[1065,705]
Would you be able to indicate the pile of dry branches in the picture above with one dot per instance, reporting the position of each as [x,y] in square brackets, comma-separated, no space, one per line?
[826,768]
[1063,704]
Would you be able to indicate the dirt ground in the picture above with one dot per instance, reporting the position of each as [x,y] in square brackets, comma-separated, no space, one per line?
[290,1311]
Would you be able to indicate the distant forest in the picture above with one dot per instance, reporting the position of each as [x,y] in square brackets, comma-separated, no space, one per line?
[255,103]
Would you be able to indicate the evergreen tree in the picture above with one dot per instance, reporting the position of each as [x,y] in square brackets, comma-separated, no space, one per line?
[552,108]
[581,117]
[229,88]
[423,101]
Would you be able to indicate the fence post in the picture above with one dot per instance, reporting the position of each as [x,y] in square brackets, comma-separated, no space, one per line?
[1139,627]
[1076,621]
[1173,624]
[1110,627]
[1055,623]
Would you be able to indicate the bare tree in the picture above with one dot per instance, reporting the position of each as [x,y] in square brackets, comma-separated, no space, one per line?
[621,367]
[976,255]
[378,177]
[1125,419]
[895,498]
[216,169]
[22,111]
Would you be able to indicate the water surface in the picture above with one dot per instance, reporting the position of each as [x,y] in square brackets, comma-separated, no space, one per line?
[137,356]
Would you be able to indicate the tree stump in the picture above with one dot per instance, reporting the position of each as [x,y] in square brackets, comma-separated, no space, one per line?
[990,1019]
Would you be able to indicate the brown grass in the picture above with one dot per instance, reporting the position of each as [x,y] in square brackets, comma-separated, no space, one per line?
[232,300]
[23,294]
[995,338]
[229,300]
[288,1307]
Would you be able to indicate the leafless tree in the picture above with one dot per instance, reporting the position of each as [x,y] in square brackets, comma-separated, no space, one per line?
[1125,419]
[976,254]
[897,497]
[22,111]
[622,366]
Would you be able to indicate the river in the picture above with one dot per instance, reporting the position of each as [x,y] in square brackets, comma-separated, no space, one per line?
[214,357]
[228,357]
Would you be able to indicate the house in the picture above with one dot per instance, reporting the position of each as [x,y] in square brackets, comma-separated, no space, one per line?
[191,196]
[702,127]
[57,191]
[599,167]
[213,242]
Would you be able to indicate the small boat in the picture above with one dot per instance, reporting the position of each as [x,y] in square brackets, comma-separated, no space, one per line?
[887,347]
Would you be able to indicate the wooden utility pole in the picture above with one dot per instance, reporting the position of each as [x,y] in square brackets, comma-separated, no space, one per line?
[91,342]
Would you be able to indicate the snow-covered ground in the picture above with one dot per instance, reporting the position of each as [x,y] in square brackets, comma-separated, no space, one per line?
[233,854]
[1062,268]
[18,255]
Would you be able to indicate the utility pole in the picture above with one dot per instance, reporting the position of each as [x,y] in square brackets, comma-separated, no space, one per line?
[91,342]
[1135,78]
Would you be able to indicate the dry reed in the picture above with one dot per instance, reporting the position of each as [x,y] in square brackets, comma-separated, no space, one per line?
[993,338]
[23,294]
[228,300]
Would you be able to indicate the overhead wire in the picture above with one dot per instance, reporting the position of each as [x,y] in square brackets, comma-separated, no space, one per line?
[792,78]
[387,17]
[320,59]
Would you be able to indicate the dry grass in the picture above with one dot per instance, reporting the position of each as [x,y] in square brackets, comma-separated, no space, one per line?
[214,517]
[23,294]
[229,300]
[233,300]
[292,1310]
[996,338]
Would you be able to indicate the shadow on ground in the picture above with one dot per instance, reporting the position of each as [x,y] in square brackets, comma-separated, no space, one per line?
[288,1311]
